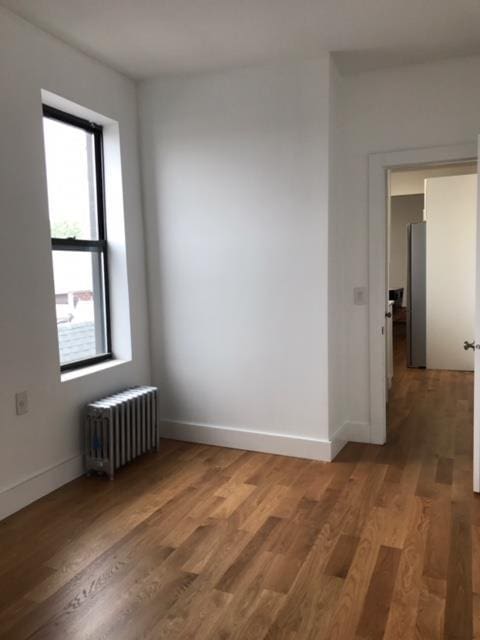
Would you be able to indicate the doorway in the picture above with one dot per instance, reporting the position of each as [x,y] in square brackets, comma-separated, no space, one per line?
[431,268]
[380,168]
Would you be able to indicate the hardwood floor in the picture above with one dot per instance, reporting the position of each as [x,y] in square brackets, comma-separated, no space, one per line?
[203,542]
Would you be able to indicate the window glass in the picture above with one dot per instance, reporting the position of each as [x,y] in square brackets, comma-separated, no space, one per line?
[72,198]
[79,305]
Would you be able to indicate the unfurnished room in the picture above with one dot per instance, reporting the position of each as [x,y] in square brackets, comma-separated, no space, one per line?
[239,320]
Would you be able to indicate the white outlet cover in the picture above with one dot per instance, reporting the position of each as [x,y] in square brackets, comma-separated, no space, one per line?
[21,403]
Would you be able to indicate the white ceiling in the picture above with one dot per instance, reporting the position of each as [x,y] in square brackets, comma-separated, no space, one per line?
[147,37]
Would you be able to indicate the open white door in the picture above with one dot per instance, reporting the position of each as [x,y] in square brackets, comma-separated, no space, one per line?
[476,395]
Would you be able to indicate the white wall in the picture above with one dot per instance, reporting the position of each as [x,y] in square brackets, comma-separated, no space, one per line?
[417,106]
[403,211]
[42,449]
[451,209]
[236,190]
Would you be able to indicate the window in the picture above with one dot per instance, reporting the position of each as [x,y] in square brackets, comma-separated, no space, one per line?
[74,164]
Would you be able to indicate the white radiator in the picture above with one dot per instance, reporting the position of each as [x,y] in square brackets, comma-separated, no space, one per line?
[120,428]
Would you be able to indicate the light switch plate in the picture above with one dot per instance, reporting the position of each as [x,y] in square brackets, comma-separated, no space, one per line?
[360,296]
[21,403]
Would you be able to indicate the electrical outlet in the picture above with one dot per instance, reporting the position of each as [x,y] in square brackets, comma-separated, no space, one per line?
[21,403]
[360,296]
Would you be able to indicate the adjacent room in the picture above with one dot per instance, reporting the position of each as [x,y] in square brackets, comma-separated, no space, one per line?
[431,276]
[240,305]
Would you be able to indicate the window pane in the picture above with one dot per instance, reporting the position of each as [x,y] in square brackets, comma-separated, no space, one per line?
[70,162]
[80,304]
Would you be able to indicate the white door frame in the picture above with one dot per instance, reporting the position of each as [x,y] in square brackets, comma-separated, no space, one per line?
[379,165]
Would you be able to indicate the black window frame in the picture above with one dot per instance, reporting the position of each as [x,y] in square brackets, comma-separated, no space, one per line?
[100,245]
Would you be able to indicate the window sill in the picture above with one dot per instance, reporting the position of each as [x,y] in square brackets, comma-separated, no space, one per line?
[94,368]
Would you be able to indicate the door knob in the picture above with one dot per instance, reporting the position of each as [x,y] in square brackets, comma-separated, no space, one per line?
[388,314]
[469,345]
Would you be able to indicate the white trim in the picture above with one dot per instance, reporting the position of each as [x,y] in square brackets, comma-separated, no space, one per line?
[338,441]
[356,432]
[378,166]
[476,385]
[21,494]
[67,376]
[279,443]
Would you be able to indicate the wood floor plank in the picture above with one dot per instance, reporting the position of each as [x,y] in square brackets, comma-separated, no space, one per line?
[248,588]
[404,604]
[256,626]
[342,556]
[475,559]
[308,608]
[193,617]
[476,616]
[439,536]
[444,470]
[431,609]
[232,499]
[226,543]
[458,605]
[230,579]
[377,602]
[349,604]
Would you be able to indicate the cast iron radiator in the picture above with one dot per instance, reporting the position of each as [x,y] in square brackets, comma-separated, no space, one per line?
[120,428]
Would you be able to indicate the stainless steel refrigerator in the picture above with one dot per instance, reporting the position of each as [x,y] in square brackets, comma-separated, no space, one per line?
[417,295]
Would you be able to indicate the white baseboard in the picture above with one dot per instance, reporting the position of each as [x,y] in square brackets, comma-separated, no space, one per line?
[349,432]
[338,441]
[16,497]
[34,487]
[286,445]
